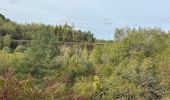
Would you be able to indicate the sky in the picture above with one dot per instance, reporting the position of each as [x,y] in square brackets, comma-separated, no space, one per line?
[99,16]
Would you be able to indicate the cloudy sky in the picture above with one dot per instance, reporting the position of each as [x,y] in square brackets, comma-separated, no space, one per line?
[99,16]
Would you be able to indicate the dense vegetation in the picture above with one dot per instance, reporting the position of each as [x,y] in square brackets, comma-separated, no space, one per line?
[11,32]
[134,66]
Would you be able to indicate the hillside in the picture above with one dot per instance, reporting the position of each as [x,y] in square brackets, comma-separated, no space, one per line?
[133,66]
[12,31]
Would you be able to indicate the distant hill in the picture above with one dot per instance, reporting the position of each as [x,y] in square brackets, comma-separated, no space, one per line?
[10,30]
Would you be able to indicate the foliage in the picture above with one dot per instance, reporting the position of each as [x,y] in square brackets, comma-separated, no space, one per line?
[35,64]
[12,31]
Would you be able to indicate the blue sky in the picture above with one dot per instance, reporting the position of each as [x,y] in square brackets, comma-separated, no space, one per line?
[99,16]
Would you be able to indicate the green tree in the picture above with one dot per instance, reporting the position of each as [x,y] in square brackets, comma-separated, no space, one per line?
[39,59]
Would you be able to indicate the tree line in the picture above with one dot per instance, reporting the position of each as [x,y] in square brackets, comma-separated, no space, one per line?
[10,30]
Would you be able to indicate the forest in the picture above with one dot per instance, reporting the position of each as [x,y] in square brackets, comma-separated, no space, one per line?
[36,65]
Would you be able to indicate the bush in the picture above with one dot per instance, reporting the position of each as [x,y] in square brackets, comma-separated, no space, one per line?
[20,48]
[6,49]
